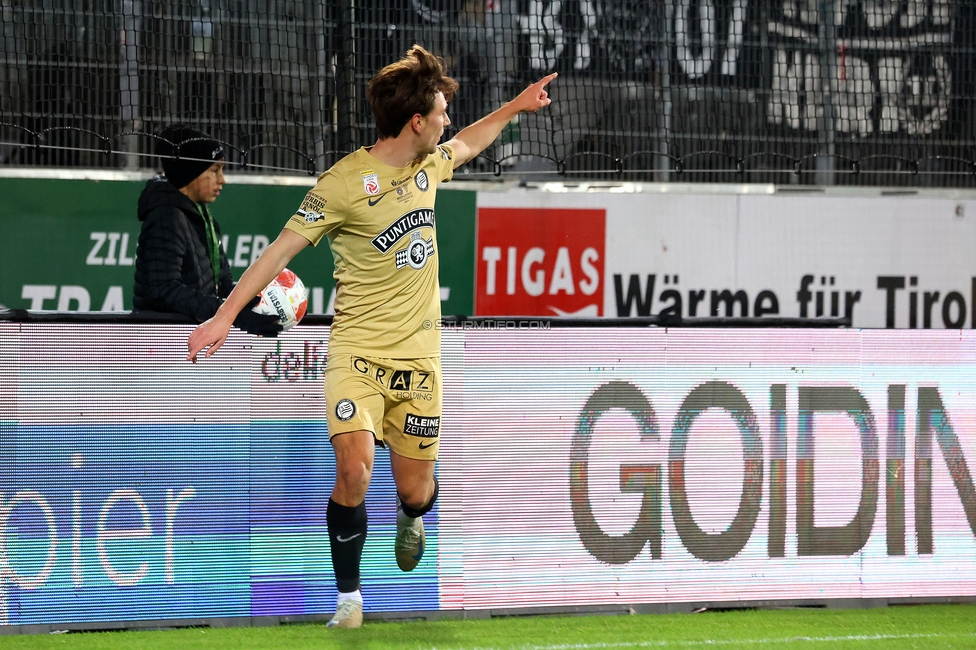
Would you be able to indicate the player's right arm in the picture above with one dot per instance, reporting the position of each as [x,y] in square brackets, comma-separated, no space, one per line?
[475,138]
[211,334]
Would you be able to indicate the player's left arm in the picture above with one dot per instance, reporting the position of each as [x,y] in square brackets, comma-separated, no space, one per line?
[212,333]
[473,139]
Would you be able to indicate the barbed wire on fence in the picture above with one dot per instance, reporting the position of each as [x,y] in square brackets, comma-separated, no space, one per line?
[619,167]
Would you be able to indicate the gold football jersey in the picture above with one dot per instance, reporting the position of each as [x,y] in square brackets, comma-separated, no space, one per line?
[380,225]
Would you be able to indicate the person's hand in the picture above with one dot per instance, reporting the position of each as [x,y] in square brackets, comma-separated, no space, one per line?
[535,96]
[209,334]
[258,324]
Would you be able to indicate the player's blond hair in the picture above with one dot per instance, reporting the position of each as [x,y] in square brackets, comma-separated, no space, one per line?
[407,88]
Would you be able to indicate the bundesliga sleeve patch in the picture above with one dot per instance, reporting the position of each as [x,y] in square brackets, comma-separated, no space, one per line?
[371,182]
[422,427]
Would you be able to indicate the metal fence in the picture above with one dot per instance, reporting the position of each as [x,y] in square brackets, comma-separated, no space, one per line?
[877,92]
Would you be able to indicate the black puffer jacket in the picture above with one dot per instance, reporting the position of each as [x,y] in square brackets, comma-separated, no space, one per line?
[173,270]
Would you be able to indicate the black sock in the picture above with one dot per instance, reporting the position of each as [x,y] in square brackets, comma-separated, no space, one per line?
[347,536]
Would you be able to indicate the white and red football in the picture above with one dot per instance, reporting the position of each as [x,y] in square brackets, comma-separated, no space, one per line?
[284,297]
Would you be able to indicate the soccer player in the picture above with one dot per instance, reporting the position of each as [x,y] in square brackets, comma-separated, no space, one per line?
[383,375]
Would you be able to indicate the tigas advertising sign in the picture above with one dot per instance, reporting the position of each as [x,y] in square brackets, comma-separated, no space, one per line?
[540,262]
[881,261]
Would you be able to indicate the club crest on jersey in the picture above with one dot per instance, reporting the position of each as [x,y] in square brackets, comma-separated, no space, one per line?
[413,220]
[345,409]
[371,182]
[421,180]
[417,252]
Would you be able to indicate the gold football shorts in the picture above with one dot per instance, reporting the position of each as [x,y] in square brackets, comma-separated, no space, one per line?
[398,400]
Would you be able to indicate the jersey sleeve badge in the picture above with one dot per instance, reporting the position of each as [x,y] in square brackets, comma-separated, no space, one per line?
[312,208]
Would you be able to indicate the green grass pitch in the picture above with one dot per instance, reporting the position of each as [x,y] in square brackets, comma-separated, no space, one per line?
[923,626]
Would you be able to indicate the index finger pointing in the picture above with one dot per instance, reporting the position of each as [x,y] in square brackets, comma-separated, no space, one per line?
[545,80]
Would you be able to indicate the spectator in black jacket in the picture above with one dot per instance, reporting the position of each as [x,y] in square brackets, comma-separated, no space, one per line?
[181,266]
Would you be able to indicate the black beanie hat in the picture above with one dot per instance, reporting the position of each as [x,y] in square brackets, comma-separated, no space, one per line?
[180,143]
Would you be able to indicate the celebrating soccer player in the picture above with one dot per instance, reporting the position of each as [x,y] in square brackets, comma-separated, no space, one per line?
[383,377]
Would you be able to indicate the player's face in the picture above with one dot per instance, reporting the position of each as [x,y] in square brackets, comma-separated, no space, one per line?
[433,125]
[206,187]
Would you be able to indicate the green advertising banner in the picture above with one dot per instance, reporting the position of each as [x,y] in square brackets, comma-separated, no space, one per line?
[70,245]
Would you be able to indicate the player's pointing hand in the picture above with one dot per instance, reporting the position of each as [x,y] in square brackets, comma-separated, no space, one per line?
[535,96]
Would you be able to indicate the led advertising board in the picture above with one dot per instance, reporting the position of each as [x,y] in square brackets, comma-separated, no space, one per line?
[578,467]
[686,465]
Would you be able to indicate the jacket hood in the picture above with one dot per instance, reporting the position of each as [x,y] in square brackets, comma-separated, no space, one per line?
[160,192]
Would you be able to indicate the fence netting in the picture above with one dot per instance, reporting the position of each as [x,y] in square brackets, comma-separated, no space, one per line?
[877,92]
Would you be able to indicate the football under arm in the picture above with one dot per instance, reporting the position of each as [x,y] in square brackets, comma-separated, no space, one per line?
[273,259]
